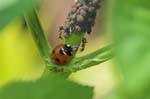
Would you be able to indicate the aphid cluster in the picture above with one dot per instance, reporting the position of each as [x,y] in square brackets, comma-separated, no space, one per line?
[81,18]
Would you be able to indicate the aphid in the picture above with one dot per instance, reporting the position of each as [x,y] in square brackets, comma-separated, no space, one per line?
[80,20]
[62,54]
[84,41]
[61,30]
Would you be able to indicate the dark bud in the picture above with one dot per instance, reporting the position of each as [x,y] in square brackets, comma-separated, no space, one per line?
[91,9]
[89,30]
[95,2]
[83,29]
[93,15]
[84,40]
[83,12]
[74,9]
[85,8]
[90,3]
[77,28]
[61,28]
[90,20]
[73,16]
[98,6]
[80,18]
[66,26]
[66,34]
[78,5]
[66,30]
[71,22]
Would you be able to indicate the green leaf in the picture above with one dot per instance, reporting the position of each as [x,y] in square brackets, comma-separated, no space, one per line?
[37,32]
[53,87]
[12,9]
[92,59]
[130,27]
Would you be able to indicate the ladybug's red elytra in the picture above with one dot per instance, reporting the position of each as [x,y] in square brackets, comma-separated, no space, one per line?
[62,54]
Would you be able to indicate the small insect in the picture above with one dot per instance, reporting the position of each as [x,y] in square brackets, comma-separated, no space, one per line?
[61,30]
[83,43]
[62,54]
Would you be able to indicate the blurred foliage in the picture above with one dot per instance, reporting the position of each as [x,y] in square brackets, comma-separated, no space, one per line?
[92,59]
[130,27]
[12,9]
[18,55]
[53,87]
[44,48]
[14,66]
[131,32]
[15,40]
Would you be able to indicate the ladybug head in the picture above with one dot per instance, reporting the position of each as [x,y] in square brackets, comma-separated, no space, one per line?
[68,49]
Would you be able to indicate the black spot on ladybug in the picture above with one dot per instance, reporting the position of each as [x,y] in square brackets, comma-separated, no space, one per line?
[57,59]
[65,62]
[62,54]
[53,52]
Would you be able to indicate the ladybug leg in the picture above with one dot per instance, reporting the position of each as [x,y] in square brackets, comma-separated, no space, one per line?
[84,41]
[61,30]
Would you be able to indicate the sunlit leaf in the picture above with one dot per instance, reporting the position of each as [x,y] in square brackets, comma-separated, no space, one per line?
[12,9]
[52,87]
[94,58]
[130,26]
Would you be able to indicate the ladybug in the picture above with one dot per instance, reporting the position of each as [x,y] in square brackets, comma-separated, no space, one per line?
[62,54]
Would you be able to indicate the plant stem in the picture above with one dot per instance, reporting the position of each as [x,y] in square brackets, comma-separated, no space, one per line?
[74,39]
[91,59]
[76,64]
[38,34]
